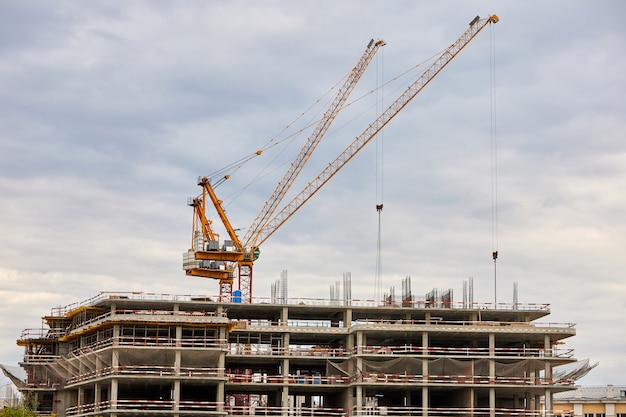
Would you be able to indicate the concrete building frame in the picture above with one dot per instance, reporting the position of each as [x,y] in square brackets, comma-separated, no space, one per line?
[138,354]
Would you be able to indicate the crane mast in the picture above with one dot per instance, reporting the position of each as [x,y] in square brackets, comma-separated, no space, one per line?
[207,259]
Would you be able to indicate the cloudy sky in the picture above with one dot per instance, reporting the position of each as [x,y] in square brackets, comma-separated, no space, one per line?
[112,109]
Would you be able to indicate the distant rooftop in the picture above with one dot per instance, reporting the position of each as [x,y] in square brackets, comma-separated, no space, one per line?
[593,393]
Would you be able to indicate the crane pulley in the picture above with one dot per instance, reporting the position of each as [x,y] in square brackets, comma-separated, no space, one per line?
[207,259]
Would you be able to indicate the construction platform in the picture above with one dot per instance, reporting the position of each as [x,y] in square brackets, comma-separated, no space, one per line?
[138,354]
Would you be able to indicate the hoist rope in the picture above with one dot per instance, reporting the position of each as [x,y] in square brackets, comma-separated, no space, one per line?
[378,292]
[494,160]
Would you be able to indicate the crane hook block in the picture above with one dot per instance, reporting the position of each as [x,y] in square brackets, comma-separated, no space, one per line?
[379,207]
[495,255]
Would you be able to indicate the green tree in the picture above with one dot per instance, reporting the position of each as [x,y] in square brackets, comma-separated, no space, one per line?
[17,412]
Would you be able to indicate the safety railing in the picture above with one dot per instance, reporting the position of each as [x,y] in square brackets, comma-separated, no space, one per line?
[62,311]
[461,379]
[464,351]
[265,350]
[145,405]
[148,371]
[39,359]
[384,323]
[330,352]
[149,315]
[314,351]
[39,334]
[383,378]
[288,379]
[284,411]
[408,411]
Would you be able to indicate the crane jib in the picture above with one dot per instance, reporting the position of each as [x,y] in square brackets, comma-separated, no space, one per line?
[235,257]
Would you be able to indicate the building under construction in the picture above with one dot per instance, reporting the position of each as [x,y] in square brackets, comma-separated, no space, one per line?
[136,354]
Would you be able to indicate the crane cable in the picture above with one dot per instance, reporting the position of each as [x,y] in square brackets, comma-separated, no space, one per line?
[379,183]
[494,161]
[220,176]
[224,173]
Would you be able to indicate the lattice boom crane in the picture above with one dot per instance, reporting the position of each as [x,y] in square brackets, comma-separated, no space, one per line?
[236,257]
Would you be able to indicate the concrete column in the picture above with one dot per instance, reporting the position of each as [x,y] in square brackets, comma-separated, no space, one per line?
[286,341]
[284,400]
[347,317]
[548,375]
[528,399]
[115,363]
[177,362]
[547,345]
[179,336]
[284,315]
[98,364]
[548,402]
[220,394]
[358,394]
[492,362]
[425,370]
[492,374]
[176,394]
[532,403]
[116,337]
[425,342]
[360,342]
[113,393]
[177,365]
[537,402]
[97,395]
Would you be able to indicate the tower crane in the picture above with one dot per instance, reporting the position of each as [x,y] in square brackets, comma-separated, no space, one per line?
[236,257]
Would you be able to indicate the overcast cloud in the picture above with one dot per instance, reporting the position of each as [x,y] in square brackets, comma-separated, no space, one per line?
[112,109]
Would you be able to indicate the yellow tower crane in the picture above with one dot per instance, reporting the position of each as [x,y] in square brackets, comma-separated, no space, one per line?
[206,258]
